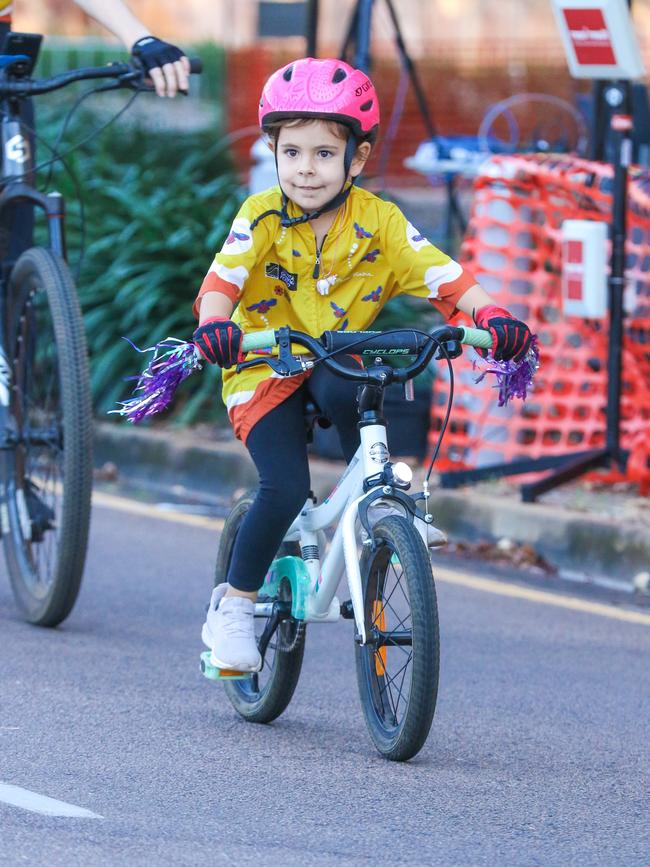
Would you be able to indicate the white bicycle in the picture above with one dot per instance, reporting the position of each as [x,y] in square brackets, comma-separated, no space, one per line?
[380,544]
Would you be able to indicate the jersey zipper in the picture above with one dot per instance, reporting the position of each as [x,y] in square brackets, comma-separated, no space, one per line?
[319,250]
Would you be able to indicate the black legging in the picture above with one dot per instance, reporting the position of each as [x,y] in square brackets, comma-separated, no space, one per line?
[278,446]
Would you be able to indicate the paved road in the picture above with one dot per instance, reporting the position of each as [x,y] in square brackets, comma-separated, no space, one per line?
[539,752]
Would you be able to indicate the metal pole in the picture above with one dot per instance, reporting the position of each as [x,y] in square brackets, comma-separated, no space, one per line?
[618,95]
[412,71]
[312,28]
[362,48]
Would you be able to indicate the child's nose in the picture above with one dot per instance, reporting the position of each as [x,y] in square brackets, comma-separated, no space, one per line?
[306,165]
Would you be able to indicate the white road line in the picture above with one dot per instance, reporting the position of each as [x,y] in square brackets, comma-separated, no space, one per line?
[545,597]
[123,504]
[36,803]
[450,576]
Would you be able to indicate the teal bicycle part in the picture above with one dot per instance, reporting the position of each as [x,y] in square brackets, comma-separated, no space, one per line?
[213,673]
[292,569]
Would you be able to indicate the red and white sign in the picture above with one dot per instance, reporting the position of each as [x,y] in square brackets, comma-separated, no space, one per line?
[599,38]
[584,268]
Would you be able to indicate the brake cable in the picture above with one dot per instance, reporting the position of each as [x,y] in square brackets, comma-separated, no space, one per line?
[441,348]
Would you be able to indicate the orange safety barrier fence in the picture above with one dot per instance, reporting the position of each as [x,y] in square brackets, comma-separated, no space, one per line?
[457,99]
[513,245]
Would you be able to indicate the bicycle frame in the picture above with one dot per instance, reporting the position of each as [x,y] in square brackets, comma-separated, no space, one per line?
[17,175]
[17,165]
[369,475]
[342,505]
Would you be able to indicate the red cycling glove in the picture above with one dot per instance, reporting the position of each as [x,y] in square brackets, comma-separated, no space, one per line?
[219,341]
[510,337]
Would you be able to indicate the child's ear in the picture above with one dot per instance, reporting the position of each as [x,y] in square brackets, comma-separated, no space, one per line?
[360,157]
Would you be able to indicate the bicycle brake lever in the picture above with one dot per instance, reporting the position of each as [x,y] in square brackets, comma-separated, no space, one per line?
[453,349]
[279,365]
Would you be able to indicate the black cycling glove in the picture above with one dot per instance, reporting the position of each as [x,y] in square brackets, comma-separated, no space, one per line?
[154,53]
[510,336]
[219,341]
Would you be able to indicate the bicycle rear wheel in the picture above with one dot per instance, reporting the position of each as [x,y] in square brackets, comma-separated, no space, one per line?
[48,468]
[397,669]
[266,694]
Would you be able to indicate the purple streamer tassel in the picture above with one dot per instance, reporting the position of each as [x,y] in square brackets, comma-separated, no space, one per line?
[514,378]
[173,361]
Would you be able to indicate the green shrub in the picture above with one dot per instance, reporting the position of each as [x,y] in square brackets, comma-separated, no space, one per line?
[157,206]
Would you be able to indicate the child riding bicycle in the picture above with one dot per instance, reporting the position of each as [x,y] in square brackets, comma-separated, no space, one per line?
[315,253]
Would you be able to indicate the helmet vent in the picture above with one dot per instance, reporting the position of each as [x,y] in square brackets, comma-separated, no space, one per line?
[287,73]
[339,75]
[366,106]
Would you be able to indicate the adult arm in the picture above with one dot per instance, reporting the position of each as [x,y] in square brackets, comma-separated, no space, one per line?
[168,75]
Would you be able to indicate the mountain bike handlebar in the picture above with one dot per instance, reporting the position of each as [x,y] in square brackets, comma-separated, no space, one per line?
[376,343]
[129,73]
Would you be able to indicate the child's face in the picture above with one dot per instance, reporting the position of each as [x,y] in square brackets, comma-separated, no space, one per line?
[310,163]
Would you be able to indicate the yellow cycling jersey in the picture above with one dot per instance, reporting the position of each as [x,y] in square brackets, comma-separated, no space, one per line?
[277,276]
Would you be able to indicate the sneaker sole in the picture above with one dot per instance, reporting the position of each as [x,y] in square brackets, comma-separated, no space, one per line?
[229,666]
[206,637]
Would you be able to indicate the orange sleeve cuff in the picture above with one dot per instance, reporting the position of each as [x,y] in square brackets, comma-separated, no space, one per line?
[212,283]
[451,293]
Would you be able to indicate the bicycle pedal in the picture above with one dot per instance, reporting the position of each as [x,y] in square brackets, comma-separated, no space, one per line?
[213,673]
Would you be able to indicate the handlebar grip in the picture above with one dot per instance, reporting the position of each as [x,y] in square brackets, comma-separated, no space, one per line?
[196,65]
[258,340]
[476,337]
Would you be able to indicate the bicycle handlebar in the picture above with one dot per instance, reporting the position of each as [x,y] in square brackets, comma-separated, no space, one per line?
[376,343]
[126,71]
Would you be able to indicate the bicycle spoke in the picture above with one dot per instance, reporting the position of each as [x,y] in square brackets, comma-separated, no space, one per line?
[390,680]
[384,690]
[401,687]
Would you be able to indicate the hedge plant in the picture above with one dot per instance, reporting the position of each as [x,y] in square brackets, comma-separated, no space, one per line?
[158,203]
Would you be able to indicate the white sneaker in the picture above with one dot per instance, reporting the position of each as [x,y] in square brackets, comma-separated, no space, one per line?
[229,631]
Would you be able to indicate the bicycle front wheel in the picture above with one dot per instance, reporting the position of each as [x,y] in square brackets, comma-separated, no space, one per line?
[48,465]
[397,669]
[266,694]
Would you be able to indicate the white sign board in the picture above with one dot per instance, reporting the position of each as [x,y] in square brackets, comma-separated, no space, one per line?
[584,268]
[598,38]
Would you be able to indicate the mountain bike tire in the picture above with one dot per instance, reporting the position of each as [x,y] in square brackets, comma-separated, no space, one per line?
[264,696]
[399,606]
[48,469]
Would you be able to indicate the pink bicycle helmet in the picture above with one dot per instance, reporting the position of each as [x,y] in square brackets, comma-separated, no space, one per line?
[324,89]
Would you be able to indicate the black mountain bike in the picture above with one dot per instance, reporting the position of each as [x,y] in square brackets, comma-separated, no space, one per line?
[45,403]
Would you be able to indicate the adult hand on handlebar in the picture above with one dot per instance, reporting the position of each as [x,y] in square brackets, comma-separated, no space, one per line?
[219,341]
[164,63]
[510,337]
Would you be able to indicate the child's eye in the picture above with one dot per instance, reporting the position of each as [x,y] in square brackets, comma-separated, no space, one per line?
[324,154]
[290,152]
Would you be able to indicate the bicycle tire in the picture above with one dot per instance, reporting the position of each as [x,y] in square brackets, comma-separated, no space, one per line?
[254,701]
[48,471]
[395,539]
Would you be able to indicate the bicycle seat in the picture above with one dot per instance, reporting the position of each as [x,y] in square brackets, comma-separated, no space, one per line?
[313,416]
